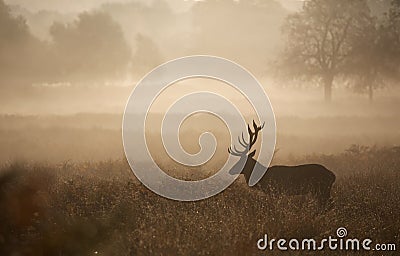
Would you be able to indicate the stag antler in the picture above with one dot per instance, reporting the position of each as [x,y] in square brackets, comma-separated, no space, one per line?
[247,145]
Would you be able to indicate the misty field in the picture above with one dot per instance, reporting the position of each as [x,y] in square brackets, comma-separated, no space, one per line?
[331,70]
[97,137]
[99,208]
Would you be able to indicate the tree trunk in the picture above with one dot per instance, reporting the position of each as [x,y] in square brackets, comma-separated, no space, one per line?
[328,81]
[370,93]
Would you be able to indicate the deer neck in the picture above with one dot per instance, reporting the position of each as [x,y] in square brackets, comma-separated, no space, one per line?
[248,169]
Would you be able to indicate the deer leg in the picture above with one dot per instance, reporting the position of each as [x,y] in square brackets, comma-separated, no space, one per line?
[325,200]
[322,195]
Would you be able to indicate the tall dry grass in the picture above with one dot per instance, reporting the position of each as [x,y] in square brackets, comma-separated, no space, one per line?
[99,207]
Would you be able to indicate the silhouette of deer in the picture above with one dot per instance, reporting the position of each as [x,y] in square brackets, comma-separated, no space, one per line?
[304,179]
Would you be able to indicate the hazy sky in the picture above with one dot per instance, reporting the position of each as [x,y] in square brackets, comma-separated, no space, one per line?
[292,5]
[76,6]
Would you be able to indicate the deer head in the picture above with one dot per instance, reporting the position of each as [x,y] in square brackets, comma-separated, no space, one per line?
[246,160]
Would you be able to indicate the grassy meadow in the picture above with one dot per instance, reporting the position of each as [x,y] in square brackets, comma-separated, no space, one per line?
[330,70]
[99,208]
[66,189]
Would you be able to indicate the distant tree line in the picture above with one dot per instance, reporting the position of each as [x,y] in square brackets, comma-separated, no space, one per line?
[90,48]
[327,41]
[118,39]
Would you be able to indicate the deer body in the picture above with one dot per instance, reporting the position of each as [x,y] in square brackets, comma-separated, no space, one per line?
[304,179]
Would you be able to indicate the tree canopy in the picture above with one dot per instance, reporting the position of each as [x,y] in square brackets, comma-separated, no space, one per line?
[92,46]
[319,39]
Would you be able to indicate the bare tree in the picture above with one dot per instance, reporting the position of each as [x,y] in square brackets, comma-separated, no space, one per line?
[391,39]
[319,39]
[366,69]
[376,55]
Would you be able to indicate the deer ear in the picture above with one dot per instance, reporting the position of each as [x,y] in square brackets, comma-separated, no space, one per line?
[252,153]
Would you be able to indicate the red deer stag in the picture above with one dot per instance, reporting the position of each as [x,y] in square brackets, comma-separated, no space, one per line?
[304,179]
